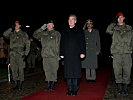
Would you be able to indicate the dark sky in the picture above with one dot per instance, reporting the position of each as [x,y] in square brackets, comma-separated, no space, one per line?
[36,14]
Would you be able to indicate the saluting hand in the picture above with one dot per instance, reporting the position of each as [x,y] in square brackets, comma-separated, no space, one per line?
[44,26]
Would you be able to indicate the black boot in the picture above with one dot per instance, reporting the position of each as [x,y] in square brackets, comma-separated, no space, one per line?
[74,93]
[30,70]
[19,85]
[48,86]
[15,87]
[125,90]
[52,83]
[120,88]
[33,70]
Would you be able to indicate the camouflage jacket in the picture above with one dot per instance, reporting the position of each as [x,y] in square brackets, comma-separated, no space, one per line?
[19,42]
[50,41]
[122,38]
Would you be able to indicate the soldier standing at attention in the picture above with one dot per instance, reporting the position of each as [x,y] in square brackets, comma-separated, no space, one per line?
[50,41]
[19,49]
[121,49]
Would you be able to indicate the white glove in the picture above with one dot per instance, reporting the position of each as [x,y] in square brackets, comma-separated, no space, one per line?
[44,27]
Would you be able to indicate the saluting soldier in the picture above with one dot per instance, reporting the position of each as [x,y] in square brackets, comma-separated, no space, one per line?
[19,49]
[93,47]
[50,40]
[121,49]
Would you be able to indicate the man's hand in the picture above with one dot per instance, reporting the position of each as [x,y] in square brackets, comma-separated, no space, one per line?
[82,56]
[44,27]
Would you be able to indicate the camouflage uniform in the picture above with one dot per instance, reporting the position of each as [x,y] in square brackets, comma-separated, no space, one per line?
[121,49]
[19,47]
[50,41]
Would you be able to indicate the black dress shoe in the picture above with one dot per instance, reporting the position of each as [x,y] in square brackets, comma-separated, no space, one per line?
[74,93]
[69,93]
[88,80]
[91,80]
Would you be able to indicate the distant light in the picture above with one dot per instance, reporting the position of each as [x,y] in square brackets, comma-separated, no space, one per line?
[27,26]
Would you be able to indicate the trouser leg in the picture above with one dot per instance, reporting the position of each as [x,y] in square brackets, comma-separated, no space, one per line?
[93,74]
[50,67]
[69,84]
[117,66]
[127,65]
[88,74]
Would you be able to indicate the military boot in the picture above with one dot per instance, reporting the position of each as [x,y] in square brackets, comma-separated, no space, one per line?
[52,83]
[19,85]
[48,86]
[15,87]
[33,70]
[119,88]
[125,90]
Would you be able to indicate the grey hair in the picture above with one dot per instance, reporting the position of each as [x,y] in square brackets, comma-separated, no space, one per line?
[72,15]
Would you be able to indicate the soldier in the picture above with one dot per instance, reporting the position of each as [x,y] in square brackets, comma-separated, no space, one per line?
[19,49]
[50,40]
[121,49]
[90,63]
[31,58]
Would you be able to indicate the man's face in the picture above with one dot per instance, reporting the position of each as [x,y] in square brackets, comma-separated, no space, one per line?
[120,19]
[17,26]
[72,21]
[89,25]
[50,26]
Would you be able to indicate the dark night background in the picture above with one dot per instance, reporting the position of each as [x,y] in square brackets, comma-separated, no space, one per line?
[36,14]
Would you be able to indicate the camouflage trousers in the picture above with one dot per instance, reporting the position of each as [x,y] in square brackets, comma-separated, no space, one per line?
[17,67]
[122,64]
[50,66]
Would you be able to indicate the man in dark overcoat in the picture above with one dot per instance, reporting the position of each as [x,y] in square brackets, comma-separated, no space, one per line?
[72,50]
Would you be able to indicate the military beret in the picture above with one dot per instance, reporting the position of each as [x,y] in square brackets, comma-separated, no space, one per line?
[16,21]
[49,21]
[119,14]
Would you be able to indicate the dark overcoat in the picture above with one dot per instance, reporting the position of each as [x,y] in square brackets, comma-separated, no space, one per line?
[93,47]
[71,46]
